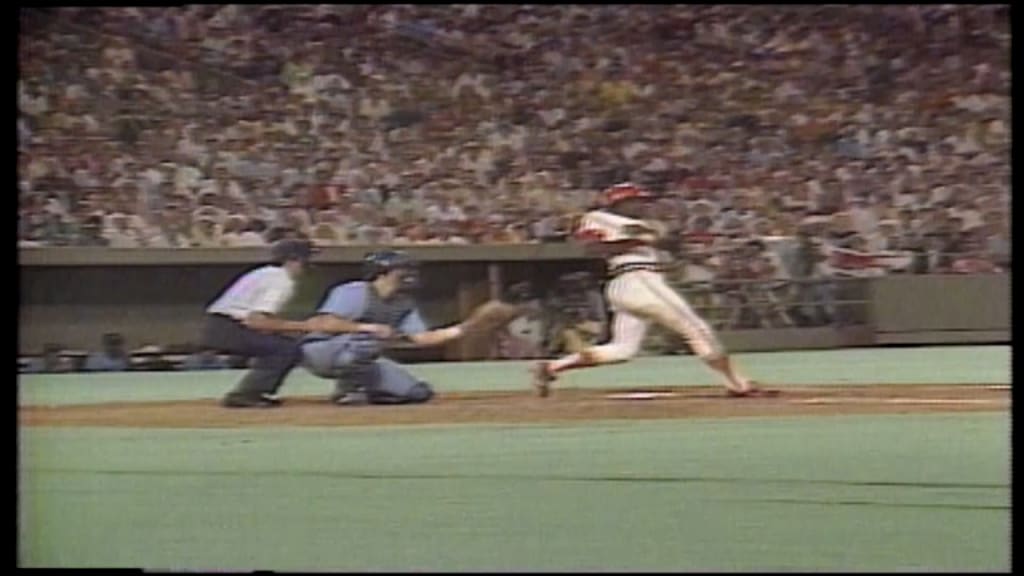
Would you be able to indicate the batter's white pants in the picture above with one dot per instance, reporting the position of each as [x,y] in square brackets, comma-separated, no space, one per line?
[640,297]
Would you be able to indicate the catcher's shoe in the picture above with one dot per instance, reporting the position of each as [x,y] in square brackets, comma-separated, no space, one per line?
[542,378]
[234,400]
[353,398]
[754,391]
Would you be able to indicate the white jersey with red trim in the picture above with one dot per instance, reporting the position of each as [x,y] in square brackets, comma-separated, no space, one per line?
[638,293]
[601,226]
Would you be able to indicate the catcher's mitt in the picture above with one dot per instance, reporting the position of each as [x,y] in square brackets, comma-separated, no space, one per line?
[491,316]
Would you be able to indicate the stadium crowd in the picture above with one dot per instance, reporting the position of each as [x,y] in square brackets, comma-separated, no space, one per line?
[787,141]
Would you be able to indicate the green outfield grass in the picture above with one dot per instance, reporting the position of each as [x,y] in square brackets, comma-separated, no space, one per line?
[863,493]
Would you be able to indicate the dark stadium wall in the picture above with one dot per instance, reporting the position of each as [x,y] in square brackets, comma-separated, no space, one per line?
[73,305]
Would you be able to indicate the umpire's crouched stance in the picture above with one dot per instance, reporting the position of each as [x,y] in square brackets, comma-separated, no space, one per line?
[242,321]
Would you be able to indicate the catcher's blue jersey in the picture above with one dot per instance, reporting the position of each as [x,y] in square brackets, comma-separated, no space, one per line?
[358,301]
[354,359]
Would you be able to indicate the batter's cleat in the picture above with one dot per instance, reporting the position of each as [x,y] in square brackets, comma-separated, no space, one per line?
[754,391]
[353,398]
[234,400]
[542,378]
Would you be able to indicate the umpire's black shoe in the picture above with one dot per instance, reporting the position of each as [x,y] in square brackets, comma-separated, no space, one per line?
[233,400]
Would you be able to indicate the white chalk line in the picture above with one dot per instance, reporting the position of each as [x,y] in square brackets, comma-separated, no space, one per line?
[640,395]
[864,400]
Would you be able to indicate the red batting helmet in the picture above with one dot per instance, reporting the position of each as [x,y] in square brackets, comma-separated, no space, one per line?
[624,191]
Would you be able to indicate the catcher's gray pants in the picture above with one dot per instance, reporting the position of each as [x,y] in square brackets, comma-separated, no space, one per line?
[354,362]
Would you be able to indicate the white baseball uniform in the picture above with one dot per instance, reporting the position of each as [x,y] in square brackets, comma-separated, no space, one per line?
[638,294]
[265,289]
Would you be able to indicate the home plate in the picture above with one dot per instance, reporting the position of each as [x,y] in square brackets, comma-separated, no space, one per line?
[640,395]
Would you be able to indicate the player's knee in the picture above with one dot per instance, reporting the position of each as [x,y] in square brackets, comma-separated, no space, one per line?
[355,353]
[418,393]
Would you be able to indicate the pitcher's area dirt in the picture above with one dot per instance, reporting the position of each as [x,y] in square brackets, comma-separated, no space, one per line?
[564,405]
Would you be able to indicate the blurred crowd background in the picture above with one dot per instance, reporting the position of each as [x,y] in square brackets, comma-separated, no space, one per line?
[787,142]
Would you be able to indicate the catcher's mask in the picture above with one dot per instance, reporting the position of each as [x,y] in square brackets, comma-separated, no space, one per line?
[376,264]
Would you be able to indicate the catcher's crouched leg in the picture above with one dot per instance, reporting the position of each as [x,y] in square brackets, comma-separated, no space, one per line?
[394,385]
[349,359]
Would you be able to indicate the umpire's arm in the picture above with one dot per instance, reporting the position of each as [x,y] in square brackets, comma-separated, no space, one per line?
[264,318]
[267,323]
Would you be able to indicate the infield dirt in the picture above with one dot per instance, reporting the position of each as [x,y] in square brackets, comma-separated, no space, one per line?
[564,405]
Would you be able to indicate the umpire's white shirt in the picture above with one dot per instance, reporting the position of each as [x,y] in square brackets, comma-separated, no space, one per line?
[265,289]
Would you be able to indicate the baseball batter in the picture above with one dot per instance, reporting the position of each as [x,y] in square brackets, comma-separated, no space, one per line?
[638,294]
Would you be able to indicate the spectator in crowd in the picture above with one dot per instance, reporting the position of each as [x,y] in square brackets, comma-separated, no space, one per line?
[972,258]
[580,317]
[206,233]
[233,226]
[52,361]
[224,112]
[252,234]
[812,293]
[205,360]
[997,239]
[112,357]
[524,337]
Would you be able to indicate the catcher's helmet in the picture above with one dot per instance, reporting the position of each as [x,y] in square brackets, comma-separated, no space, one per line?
[376,264]
[624,191]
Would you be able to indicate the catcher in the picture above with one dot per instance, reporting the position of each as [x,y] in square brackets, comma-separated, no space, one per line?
[359,320]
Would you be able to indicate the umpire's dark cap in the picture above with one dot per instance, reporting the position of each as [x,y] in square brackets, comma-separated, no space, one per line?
[292,249]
